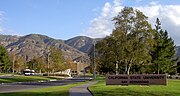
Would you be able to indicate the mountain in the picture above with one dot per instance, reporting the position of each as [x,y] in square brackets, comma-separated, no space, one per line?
[8,39]
[178,51]
[82,43]
[35,45]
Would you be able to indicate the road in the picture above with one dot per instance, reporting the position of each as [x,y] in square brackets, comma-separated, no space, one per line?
[16,87]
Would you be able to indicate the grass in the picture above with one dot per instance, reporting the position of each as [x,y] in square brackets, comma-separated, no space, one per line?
[87,74]
[24,79]
[100,89]
[50,91]
[1,73]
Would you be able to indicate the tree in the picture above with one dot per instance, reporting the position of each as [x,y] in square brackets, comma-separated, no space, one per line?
[40,67]
[163,55]
[55,60]
[5,64]
[19,64]
[32,64]
[12,57]
[71,65]
[37,64]
[130,42]
[105,57]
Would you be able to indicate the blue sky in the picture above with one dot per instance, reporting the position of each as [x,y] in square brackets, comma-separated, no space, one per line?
[64,19]
[56,18]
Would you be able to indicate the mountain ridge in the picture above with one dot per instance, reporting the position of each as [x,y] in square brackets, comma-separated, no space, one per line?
[34,45]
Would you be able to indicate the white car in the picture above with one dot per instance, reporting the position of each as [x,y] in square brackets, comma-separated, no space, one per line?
[28,72]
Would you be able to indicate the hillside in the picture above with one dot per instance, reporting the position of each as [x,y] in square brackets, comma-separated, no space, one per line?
[35,45]
[82,43]
[178,51]
[8,39]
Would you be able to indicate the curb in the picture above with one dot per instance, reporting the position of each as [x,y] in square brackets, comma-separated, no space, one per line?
[90,91]
[27,82]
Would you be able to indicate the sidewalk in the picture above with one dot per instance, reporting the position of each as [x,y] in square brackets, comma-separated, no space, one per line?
[81,90]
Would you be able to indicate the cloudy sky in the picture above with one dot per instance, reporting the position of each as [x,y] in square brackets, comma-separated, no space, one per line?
[63,19]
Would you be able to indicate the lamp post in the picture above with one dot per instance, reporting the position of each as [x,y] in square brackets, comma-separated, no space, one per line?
[48,61]
[13,62]
[94,55]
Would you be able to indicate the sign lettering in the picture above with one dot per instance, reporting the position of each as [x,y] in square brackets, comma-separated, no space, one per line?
[136,79]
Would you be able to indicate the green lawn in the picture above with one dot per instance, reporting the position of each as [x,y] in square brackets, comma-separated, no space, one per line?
[172,89]
[1,74]
[50,91]
[24,79]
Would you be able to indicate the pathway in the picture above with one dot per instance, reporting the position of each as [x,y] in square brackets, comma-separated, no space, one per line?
[81,90]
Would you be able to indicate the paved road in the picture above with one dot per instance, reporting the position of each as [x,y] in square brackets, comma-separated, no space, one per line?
[15,87]
[81,90]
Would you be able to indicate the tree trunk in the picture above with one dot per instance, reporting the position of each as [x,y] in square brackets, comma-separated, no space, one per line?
[13,64]
[128,70]
[157,69]
[116,67]
[40,71]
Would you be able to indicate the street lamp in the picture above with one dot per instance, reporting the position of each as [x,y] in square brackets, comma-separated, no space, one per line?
[94,55]
[48,61]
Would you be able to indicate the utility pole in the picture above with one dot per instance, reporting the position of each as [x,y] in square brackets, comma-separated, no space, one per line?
[13,54]
[94,55]
[13,62]
[48,61]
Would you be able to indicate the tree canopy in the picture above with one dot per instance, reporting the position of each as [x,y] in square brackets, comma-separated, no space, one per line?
[163,53]
[5,64]
[129,47]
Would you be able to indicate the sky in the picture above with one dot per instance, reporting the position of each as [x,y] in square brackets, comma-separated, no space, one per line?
[64,19]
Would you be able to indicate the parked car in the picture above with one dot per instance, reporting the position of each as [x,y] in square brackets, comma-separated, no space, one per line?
[28,72]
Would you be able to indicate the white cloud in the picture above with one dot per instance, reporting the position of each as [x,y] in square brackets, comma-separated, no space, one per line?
[102,25]
[1,19]
[4,30]
[169,15]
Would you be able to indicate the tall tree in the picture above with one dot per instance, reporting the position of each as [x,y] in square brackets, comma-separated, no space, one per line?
[106,57]
[163,55]
[37,64]
[56,60]
[130,42]
[12,57]
[5,64]
[19,64]
[40,67]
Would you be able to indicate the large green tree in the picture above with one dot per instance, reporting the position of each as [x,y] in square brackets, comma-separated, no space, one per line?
[130,42]
[5,64]
[163,55]
[55,60]
[37,64]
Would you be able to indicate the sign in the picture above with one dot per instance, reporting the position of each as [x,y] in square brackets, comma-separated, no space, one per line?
[136,79]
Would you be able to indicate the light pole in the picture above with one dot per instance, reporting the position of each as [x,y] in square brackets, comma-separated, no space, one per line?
[13,63]
[94,55]
[48,62]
